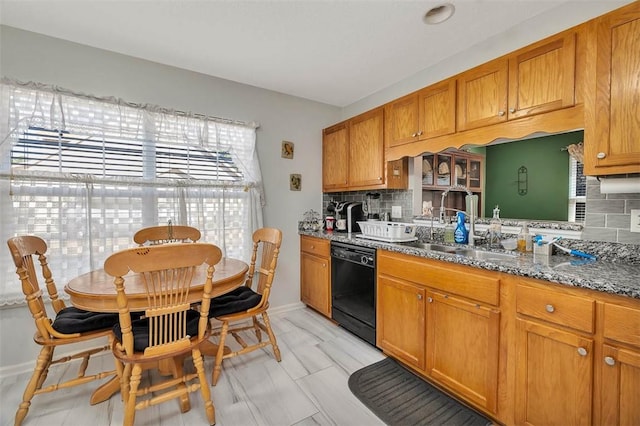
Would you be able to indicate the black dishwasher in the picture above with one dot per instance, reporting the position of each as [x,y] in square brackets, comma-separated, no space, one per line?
[353,289]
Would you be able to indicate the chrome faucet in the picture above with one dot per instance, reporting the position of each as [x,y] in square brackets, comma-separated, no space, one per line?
[471,214]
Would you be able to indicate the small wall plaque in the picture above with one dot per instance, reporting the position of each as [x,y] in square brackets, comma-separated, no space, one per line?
[295,182]
[287,149]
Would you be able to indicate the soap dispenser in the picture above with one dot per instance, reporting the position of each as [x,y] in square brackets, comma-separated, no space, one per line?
[495,229]
[524,239]
[460,235]
[449,232]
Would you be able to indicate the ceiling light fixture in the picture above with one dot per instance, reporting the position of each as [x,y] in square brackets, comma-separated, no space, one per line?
[438,14]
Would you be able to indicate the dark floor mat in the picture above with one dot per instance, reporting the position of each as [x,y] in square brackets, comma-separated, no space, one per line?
[399,397]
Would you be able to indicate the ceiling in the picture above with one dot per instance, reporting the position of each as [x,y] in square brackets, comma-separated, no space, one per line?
[332,51]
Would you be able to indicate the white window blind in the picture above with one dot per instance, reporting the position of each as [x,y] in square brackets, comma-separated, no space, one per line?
[577,191]
[85,173]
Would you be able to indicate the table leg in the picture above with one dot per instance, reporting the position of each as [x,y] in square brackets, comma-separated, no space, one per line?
[208,348]
[105,391]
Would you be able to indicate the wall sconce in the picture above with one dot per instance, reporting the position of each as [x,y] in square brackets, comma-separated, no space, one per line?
[523,180]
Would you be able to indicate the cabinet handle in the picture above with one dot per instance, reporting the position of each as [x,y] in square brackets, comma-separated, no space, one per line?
[420,133]
[419,297]
[601,155]
[609,360]
[550,308]
[430,299]
[379,177]
[500,113]
[512,110]
[413,135]
[313,247]
[324,265]
[582,351]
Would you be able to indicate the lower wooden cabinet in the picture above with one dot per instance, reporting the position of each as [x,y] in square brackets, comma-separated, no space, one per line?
[447,337]
[315,274]
[554,376]
[620,386]
[463,347]
[401,320]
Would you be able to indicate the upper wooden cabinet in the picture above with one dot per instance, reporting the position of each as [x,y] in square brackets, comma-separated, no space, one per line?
[424,114]
[482,95]
[539,78]
[353,156]
[335,157]
[366,149]
[612,106]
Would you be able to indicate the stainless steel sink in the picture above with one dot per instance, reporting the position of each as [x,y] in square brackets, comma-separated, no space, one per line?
[464,251]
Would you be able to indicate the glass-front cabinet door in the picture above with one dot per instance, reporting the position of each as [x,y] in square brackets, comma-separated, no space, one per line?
[460,171]
[427,169]
[443,172]
[475,166]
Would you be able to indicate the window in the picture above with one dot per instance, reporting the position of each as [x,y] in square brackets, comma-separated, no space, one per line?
[577,191]
[85,174]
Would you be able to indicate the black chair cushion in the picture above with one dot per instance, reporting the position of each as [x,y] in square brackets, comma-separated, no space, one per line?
[237,300]
[140,328]
[73,320]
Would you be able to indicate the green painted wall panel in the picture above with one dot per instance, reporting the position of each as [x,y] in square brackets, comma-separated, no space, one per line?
[547,164]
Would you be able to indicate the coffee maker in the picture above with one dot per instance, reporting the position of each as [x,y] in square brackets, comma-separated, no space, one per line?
[351,211]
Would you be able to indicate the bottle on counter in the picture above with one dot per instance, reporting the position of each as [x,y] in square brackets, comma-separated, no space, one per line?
[449,231]
[495,229]
[524,239]
[460,235]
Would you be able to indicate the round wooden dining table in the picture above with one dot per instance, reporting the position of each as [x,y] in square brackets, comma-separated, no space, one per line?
[95,291]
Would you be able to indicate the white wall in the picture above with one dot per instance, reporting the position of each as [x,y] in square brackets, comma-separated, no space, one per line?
[28,56]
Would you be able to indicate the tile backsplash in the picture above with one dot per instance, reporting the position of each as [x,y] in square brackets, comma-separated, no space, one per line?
[608,216]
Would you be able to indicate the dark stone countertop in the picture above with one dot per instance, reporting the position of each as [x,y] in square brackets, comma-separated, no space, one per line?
[601,275]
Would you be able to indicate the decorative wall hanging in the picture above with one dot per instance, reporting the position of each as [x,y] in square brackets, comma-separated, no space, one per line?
[287,149]
[295,182]
[523,179]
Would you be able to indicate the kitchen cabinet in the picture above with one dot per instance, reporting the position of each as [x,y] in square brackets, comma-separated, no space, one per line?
[620,366]
[554,376]
[537,79]
[315,274]
[335,157]
[463,347]
[366,149]
[353,156]
[612,105]
[424,114]
[399,303]
[440,171]
[555,346]
[445,315]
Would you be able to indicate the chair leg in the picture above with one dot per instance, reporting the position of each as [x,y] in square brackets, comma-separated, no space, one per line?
[218,365]
[272,337]
[204,386]
[256,327]
[41,369]
[130,402]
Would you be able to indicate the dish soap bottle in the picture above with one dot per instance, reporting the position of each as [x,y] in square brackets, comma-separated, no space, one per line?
[460,234]
[449,231]
[524,240]
[495,229]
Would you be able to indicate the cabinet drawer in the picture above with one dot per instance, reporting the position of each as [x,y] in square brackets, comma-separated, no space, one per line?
[622,324]
[482,286]
[557,307]
[316,246]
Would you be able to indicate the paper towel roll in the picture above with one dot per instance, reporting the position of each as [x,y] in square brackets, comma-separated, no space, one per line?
[620,185]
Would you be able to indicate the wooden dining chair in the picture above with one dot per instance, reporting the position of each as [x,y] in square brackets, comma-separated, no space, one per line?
[249,301]
[169,329]
[69,326]
[155,235]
